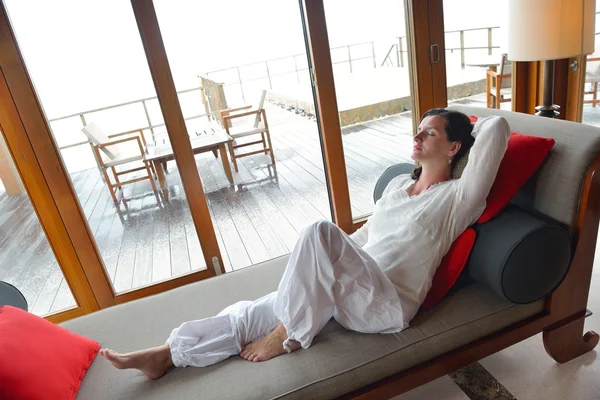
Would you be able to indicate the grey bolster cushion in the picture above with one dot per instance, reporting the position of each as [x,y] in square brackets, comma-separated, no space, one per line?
[520,256]
[11,296]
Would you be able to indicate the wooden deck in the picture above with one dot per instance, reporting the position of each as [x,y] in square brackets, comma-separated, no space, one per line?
[257,218]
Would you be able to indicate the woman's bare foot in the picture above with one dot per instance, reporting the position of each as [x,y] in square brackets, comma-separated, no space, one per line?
[268,347]
[153,362]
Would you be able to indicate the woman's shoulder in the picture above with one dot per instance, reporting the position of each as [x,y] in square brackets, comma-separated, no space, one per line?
[398,182]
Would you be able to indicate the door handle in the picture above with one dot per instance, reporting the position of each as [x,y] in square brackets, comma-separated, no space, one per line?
[434,49]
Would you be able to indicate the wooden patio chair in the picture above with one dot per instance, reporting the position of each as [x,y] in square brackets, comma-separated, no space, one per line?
[213,98]
[130,148]
[498,84]
[260,127]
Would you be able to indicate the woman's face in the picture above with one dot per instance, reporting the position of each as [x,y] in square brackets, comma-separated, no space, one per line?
[431,141]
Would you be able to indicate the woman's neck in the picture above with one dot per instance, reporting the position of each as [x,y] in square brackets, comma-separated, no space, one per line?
[431,176]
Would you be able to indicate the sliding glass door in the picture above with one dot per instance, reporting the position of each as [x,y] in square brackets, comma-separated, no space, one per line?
[183,140]
[241,71]
[100,104]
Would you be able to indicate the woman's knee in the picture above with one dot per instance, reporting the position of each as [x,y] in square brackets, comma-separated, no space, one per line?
[322,226]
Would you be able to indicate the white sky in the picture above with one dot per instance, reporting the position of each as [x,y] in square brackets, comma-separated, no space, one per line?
[85,54]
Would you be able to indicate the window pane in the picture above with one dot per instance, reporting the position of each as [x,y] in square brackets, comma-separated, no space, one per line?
[370,65]
[28,262]
[223,54]
[474,53]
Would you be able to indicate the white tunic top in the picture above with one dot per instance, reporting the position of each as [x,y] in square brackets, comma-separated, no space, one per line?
[409,236]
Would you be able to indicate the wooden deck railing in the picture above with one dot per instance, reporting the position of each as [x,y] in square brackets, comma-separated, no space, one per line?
[398,50]
[347,54]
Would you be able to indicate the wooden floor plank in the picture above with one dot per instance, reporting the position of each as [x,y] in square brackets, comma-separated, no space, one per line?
[260,217]
[271,187]
[276,219]
[180,260]
[358,195]
[142,268]
[48,293]
[125,265]
[255,248]
[232,242]
[64,299]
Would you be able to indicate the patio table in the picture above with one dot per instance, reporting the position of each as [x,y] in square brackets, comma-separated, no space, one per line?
[211,141]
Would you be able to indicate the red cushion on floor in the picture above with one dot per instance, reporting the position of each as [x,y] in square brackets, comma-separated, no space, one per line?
[452,265]
[40,360]
[524,155]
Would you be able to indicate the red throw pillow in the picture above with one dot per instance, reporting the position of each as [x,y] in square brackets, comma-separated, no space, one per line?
[40,360]
[452,265]
[524,155]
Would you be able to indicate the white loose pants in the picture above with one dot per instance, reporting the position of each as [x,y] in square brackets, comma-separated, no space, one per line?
[328,275]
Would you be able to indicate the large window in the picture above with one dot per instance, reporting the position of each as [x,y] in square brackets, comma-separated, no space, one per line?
[232,55]
[89,69]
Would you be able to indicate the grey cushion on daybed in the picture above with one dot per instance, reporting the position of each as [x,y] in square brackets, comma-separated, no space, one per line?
[338,361]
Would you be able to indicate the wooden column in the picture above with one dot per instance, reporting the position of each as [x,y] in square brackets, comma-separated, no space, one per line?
[560,83]
[526,78]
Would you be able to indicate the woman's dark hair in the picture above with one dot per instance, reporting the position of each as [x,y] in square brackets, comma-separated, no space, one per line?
[458,129]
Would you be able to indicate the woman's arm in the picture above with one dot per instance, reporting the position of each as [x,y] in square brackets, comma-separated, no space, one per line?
[361,235]
[491,139]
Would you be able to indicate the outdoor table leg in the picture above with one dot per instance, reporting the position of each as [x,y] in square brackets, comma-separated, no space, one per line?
[158,167]
[225,161]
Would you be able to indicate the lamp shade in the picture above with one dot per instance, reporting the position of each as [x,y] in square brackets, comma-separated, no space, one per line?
[541,30]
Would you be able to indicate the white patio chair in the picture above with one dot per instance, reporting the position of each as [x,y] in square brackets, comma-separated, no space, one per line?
[258,127]
[120,152]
